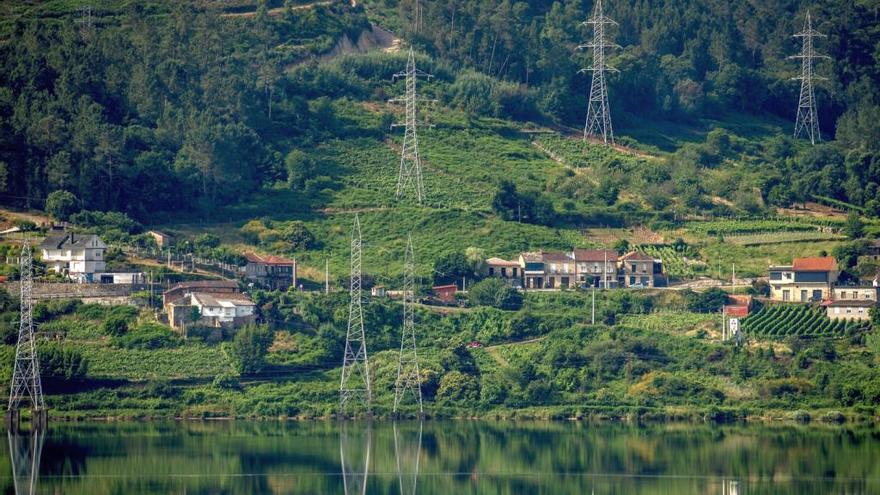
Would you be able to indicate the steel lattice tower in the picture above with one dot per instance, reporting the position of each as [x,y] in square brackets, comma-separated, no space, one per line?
[807,117]
[26,383]
[408,375]
[598,111]
[354,387]
[410,174]
[408,454]
[355,447]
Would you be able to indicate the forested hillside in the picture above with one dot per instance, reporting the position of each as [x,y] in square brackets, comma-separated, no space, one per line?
[178,108]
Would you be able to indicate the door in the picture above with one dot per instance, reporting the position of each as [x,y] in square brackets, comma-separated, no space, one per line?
[803,295]
[786,295]
[564,282]
[817,295]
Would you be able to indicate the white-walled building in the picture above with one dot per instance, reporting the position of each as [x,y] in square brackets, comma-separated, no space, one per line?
[80,256]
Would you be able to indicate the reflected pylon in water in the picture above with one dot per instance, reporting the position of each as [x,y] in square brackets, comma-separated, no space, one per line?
[25,450]
[354,455]
[730,487]
[407,449]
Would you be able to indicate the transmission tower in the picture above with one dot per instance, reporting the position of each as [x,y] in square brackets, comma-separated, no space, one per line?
[410,174]
[85,22]
[598,111]
[807,117]
[354,387]
[354,456]
[26,371]
[408,376]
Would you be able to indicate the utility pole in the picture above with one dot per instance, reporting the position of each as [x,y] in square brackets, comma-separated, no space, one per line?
[593,314]
[409,379]
[26,384]
[410,174]
[598,111]
[807,117]
[354,386]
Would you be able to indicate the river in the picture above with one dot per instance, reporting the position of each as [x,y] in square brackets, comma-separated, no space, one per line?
[441,457]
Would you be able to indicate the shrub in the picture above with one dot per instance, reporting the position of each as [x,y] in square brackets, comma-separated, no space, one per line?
[61,204]
[298,235]
[62,362]
[226,381]
[249,348]
[456,386]
[115,325]
[496,293]
[148,336]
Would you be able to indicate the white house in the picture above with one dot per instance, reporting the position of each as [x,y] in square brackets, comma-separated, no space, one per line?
[80,256]
[223,310]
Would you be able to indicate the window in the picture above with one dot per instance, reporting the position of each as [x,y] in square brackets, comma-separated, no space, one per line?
[503,272]
[837,311]
[491,271]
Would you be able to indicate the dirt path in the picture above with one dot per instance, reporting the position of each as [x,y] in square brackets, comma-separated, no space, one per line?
[278,10]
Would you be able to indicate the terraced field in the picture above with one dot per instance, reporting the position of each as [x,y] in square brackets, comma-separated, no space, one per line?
[798,320]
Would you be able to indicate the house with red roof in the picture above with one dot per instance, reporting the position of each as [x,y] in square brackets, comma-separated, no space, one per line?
[269,271]
[805,280]
[638,269]
[596,267]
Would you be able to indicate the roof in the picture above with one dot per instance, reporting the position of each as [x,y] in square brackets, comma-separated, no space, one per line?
[595,255]
[637,256]
[532,257]
[445,287]
[67,240]
[736,310]
[159,233]
[206,284]
[556,256]
[852,303]
[222,300]
[818,264]
[740,300]
[501,262]
[268,259]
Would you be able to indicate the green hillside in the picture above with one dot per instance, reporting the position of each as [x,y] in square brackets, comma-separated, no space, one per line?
[241,127]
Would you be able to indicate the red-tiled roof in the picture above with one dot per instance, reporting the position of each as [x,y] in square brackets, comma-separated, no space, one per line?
[823,264]
[268,259]
[445,287]
[741,311]
[595,255]
[740,300]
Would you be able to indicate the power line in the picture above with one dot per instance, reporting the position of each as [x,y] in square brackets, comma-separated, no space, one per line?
[598,122]
[807,117]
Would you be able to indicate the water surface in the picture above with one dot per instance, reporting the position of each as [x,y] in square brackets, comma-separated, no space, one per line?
[441,458]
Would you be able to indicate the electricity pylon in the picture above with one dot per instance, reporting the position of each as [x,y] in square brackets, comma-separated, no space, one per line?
[408,376]
[354,387]
[25,451]
[598,111]
[410,174]
[26,383]
[807,117]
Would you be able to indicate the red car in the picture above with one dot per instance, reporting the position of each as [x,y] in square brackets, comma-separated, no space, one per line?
[474,345]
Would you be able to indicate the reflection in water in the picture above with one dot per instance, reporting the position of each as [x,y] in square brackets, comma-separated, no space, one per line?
[355,440]
[407,451]
[441,458]
[25,450]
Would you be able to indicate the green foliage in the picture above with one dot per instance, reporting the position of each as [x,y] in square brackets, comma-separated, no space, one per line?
[798,320]
[116,323]
[61,204]
[458,387]
[451,267]
[709,301]
[249,348]
[62,362]
[147,336]
[496,293]
[854,227]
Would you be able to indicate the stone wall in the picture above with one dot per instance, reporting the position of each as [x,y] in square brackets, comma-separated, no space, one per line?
[100,293]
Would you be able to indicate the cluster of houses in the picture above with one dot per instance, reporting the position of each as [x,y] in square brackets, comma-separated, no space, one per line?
[816,280]
[602,268]
[213,304]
